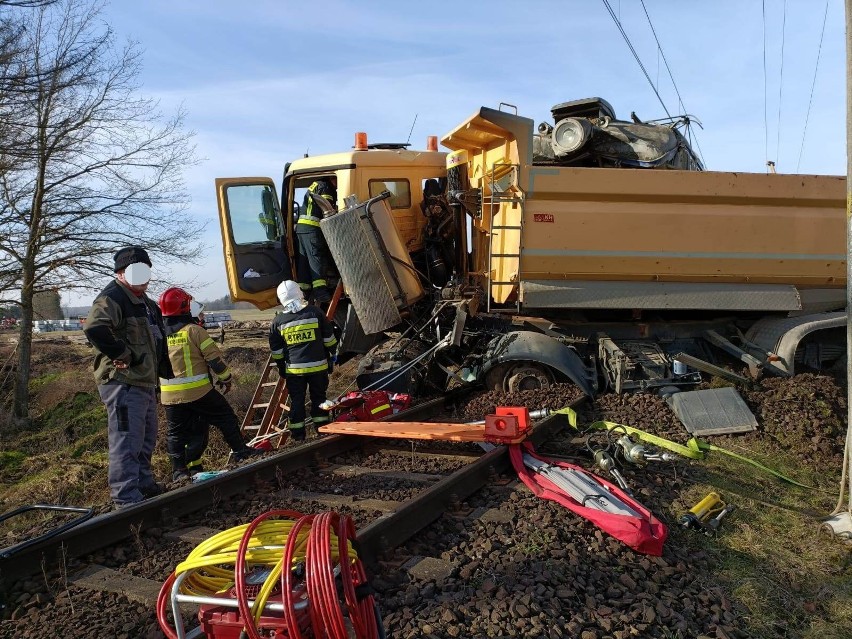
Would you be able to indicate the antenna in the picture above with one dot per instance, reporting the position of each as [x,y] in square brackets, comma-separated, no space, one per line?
[412,128]
[306,152]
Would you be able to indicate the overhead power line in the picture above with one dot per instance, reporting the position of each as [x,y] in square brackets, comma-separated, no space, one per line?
[635,55]
[813,84]
[662,53]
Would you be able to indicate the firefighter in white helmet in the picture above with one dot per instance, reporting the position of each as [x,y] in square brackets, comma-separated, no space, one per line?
[302,343]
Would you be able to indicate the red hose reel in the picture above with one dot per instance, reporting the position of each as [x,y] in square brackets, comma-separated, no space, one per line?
[324,595]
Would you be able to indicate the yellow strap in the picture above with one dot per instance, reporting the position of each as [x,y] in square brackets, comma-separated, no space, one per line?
[207,343]
[695,444]
[641,434]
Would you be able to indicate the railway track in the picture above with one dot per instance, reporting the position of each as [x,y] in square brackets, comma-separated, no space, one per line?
[391,492]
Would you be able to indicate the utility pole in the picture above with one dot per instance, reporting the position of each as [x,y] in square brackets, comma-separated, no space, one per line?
[840,521]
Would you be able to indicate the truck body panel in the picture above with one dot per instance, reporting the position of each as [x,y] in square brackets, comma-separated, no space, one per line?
[635,225]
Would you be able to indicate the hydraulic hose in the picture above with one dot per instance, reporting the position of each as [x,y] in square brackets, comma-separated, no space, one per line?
[319,546]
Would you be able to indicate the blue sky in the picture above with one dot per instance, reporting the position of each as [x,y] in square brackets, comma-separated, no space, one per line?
[263,80]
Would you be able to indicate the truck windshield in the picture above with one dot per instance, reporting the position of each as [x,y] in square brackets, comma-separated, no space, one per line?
[254,214]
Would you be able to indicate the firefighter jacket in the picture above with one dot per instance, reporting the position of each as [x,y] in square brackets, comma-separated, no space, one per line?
[123,326]
[193,354]
[311,212]
[302,341]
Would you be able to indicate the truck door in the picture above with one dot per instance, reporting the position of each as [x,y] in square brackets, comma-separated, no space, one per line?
[253,239]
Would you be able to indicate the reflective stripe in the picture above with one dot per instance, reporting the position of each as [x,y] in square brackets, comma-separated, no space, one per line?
[296,426]
[224,375]
[310,222]
[305,369]
[316,283]
[319,420]
[192,464]
[207,343]
[331,341]
[308,364]
[379,409]
[278,354]
[183,383]
[300,324]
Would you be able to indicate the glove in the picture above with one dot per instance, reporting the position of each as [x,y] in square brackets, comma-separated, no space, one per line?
[224,386]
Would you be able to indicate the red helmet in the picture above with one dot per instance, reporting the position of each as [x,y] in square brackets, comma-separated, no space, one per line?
[175,301]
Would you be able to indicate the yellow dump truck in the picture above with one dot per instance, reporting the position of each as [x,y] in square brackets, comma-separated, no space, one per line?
[590,249]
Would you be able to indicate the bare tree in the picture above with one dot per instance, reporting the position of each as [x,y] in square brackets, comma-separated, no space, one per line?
[94,166]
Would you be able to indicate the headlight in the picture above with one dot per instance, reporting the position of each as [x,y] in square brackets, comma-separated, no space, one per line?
[570,135]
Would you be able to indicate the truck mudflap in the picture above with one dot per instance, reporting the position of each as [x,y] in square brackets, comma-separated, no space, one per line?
[780,337]
[537,348]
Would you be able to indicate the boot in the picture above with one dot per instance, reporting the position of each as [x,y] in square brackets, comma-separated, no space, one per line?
[246,453]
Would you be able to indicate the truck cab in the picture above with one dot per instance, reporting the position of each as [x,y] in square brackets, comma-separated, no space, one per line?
[257,226]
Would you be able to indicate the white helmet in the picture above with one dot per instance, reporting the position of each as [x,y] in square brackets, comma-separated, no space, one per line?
[290,296]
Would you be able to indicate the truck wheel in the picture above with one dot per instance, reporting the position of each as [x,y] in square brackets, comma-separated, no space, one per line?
[528,376]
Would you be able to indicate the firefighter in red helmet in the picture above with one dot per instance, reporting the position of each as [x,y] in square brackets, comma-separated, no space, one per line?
[192,403]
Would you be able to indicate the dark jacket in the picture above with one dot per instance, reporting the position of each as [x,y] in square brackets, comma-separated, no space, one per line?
[118,328]
[320,195]
[302,342]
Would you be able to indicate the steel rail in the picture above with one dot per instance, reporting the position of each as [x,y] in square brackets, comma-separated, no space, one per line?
[162,511]
[376,538]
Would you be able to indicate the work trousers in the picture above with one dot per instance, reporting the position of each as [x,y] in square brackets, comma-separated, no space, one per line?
[189,428]
[132,434]
[312,261]
[298,386]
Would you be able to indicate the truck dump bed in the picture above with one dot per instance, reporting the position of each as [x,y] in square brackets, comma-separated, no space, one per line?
[638,238]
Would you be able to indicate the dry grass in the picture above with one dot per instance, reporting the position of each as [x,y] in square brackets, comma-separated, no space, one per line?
[791,581]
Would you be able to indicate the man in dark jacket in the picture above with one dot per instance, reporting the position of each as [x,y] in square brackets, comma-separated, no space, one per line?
[313,257]
[126,329]
[302,343]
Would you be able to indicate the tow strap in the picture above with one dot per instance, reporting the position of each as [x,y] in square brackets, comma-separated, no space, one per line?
[662,442]
[612,510]
[697,445]
[694,448]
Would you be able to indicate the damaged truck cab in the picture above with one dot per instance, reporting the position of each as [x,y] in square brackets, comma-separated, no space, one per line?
[593,251]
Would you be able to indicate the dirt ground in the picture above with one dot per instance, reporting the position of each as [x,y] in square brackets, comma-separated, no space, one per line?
[768,561]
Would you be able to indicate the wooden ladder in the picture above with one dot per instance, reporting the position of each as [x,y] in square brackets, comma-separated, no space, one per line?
[264,425]
[262,419]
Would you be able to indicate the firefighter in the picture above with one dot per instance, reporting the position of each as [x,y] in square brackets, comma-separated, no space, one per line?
[190,400]
[312,249]
[302,343]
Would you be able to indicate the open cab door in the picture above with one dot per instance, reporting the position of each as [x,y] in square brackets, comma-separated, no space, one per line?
[253,239]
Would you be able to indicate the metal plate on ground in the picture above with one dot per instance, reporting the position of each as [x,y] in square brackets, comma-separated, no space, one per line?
[715,411]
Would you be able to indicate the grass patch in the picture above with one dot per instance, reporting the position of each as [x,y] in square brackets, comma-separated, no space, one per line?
[11,459]
[789,580]
[43,380]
